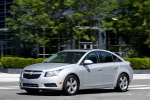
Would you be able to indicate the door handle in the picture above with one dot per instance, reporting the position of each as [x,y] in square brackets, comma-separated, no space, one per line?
[116,67]
[99,69]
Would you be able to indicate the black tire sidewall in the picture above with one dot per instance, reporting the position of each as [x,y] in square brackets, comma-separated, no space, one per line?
[118,83]
[65,87]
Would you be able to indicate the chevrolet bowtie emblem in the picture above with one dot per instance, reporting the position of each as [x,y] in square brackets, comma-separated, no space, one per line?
[30,73]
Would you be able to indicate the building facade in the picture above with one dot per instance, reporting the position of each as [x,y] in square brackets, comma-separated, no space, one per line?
[7,45]
[10,47]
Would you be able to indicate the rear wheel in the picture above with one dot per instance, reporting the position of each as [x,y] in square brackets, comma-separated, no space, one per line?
[122,83]
[71,85]
[32,91]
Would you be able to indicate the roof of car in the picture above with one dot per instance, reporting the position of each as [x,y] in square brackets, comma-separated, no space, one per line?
[82,50]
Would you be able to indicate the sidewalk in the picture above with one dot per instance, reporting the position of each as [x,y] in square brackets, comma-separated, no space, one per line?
[5,77]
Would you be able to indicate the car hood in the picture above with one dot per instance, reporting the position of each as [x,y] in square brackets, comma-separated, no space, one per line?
[46,66]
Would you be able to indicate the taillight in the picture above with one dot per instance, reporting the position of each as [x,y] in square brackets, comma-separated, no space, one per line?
[131,65]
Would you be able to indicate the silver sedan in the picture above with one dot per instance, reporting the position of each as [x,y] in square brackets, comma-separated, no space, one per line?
[73,70]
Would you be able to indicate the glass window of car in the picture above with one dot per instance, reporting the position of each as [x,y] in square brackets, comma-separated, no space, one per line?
[116,59]
[108,57]
[65,57]
[93,56]
[105,57]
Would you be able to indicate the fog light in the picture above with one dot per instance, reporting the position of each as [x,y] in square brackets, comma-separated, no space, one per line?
[50,85]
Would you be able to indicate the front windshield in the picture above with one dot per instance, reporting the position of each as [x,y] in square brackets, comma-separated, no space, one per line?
[65,57]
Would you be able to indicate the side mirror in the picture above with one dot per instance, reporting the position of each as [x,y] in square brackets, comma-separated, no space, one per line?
[86,62]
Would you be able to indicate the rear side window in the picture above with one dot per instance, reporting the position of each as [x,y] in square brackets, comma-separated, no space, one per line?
[116,59]
[107,57]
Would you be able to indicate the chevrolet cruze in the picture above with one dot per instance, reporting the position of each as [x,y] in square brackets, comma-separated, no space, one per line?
[73,70]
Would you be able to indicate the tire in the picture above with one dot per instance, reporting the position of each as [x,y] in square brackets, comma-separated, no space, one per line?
[122,83]
[32,91]
[71,85]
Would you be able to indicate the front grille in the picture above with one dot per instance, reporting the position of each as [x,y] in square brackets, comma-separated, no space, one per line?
[32,70]
[30,85]
[31,76]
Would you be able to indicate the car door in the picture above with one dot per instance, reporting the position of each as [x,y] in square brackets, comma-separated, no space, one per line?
[92,73]
[110,68]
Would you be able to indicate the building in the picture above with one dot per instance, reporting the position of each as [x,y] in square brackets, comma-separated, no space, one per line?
[7,45]
[104,39]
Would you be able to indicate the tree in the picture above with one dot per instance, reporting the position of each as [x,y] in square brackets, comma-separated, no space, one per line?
[132,23]
[40,21]
[37,21]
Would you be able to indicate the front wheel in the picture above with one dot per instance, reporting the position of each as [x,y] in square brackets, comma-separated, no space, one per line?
[71,85]
[122,83]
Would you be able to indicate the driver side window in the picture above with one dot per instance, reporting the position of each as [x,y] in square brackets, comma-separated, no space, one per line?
[92,56]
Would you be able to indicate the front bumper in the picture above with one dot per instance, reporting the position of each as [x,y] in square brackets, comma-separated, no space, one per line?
[48,83]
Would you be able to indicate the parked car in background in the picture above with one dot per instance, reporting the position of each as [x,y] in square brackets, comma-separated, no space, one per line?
[73,70]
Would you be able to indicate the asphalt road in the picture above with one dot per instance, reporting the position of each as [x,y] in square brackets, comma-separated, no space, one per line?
[138,90]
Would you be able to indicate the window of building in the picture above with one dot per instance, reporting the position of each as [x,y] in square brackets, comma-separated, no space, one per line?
[2,24]
[1,7]
[9,1]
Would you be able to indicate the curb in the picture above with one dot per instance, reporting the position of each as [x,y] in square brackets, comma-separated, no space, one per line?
[141,71]
[11,70]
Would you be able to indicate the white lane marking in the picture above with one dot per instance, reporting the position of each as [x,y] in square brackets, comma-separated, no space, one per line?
[141,76]
[9,87]
[132,86]
[9,79]
[139,87]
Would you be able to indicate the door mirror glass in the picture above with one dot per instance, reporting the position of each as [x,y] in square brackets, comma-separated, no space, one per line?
[86,62]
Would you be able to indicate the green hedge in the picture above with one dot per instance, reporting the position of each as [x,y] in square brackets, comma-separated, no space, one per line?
[17,62]
[139,63]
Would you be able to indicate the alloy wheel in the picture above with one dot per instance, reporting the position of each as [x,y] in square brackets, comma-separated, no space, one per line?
[123,83]
[71,85]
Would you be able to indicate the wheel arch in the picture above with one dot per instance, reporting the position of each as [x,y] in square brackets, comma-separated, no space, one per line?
[74,75]
[127,75]
[65,91]
[123,73]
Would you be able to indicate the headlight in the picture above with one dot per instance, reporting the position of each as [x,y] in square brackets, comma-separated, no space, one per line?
[52,73]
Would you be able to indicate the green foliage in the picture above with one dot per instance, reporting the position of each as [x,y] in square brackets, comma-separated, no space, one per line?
[139,63]
[16,62]
[132,24]
[41,20]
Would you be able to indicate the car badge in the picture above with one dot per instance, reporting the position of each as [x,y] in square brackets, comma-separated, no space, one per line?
[30,73]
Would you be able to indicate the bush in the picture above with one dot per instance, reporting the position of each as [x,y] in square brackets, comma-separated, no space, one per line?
[16,62]
[139,63]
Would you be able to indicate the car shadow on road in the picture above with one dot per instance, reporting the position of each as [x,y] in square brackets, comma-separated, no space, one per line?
[95,91]
[81,92]
[42,93]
